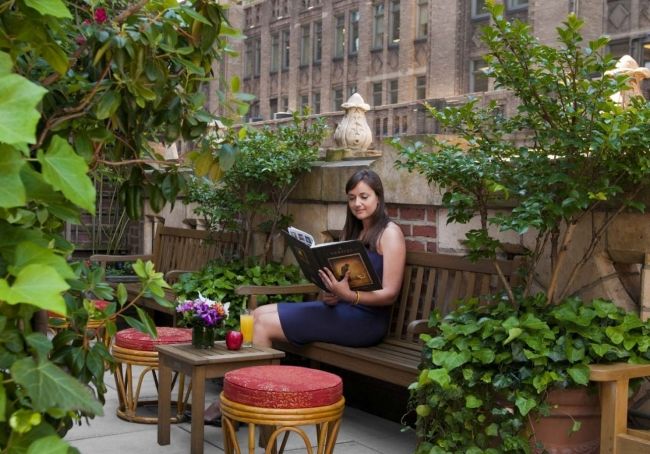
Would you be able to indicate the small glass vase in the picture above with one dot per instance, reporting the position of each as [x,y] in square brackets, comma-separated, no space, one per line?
[203,336]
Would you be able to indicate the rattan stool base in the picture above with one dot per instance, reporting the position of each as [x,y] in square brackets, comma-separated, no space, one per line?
[281,421]
[129,396]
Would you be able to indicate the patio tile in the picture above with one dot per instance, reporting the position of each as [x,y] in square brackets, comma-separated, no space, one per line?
[360,433]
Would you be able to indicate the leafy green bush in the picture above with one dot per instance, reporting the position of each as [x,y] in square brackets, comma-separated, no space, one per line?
[489,367]
[218,282]
[268,166]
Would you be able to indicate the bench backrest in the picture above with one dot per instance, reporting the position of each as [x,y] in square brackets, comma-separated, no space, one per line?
[437,281]
[190,250]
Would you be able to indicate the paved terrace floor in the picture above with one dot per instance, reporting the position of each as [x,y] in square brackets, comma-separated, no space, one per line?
[361,433]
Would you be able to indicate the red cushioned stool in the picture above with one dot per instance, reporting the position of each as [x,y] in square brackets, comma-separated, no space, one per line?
[133,348]
[282,397]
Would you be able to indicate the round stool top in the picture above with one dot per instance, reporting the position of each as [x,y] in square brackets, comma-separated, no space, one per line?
[135,340]
[282,387]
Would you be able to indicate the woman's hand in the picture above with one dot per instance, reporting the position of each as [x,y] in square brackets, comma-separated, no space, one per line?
[329,298]
[339,289]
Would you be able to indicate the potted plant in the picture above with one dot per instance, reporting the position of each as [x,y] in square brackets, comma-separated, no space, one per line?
[564,164]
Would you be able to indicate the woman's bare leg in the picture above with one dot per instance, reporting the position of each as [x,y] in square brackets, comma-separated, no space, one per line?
[267,327]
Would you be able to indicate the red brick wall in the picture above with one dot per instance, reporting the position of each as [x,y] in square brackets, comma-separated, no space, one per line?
[418,224]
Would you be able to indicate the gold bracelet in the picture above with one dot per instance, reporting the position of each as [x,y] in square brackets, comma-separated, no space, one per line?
[356,299]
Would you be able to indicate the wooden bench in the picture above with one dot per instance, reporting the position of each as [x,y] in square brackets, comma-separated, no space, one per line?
[615,436]
[431,281]
[176,251]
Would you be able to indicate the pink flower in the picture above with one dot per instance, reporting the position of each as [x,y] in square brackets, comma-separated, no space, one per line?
[100,15]
[81,40]
[86,22]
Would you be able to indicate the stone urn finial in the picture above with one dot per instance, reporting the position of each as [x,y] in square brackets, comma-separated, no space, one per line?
[353,133]
[628,66]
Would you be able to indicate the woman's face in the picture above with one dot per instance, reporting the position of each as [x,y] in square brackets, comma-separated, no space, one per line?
[363,201]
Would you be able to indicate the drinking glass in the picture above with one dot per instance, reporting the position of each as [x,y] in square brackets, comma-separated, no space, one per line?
[246,327]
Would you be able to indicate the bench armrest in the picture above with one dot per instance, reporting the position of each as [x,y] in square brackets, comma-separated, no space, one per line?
[173,275]
[252,291]
[417,327]
[617,371]
[104,259]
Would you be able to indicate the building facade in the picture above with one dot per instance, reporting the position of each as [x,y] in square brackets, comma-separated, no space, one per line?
[395,53]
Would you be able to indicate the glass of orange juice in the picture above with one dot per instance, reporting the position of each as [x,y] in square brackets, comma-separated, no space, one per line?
[246,327]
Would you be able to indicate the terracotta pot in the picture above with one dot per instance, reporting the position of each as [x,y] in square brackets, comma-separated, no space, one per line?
[554,431]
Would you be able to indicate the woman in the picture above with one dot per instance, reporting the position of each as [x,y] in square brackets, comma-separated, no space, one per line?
[343,316]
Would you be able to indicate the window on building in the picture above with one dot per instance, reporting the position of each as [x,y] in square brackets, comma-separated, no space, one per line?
[275,52]
[305,45]
[254,111]
[248,17]
[273,105]
[377,127]
[352,89]
[285,49]
[517,4]
[304,102]
[384,129]
[394,22]
[353,36]
[337,99]
[619,48]
[396,125]
[377,94]
[378,26]
[318,41]
[393,91]
[315,102]
[285,8]
[275,8]
[248,58]
[257,56]
[252,57]
[478,80]
[478,9]
[421,87]
[339,35]
[422,28]
[284,104]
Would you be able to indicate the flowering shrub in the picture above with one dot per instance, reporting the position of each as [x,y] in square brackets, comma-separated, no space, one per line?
[202,311]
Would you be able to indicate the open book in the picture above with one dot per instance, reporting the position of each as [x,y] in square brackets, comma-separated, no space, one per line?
[340,257]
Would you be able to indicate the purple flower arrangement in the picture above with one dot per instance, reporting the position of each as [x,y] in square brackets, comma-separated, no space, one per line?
[202,311]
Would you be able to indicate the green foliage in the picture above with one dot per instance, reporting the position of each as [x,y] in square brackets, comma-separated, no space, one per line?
[84,87]
[489,367]
[218,282]
[268,166]
[569,150]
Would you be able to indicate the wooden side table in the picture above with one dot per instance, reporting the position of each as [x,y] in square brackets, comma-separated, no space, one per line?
[200,364]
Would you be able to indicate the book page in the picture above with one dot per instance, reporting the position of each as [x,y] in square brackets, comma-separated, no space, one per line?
[301,236]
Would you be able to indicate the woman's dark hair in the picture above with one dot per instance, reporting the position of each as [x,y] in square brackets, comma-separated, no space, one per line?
[379,220]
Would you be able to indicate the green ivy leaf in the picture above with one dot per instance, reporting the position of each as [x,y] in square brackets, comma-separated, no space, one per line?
[579,373]
[513,333]
[524,403]
[38,285]
[28,253]
[6,64]
[49,386]
[23,420]
[440,376]
[18,114]
[12,190]
[67,171]
[49,445]
[471,401]
[54,8]
[40,343]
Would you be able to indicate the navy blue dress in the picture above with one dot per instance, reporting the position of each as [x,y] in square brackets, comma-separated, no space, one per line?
[342,324]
